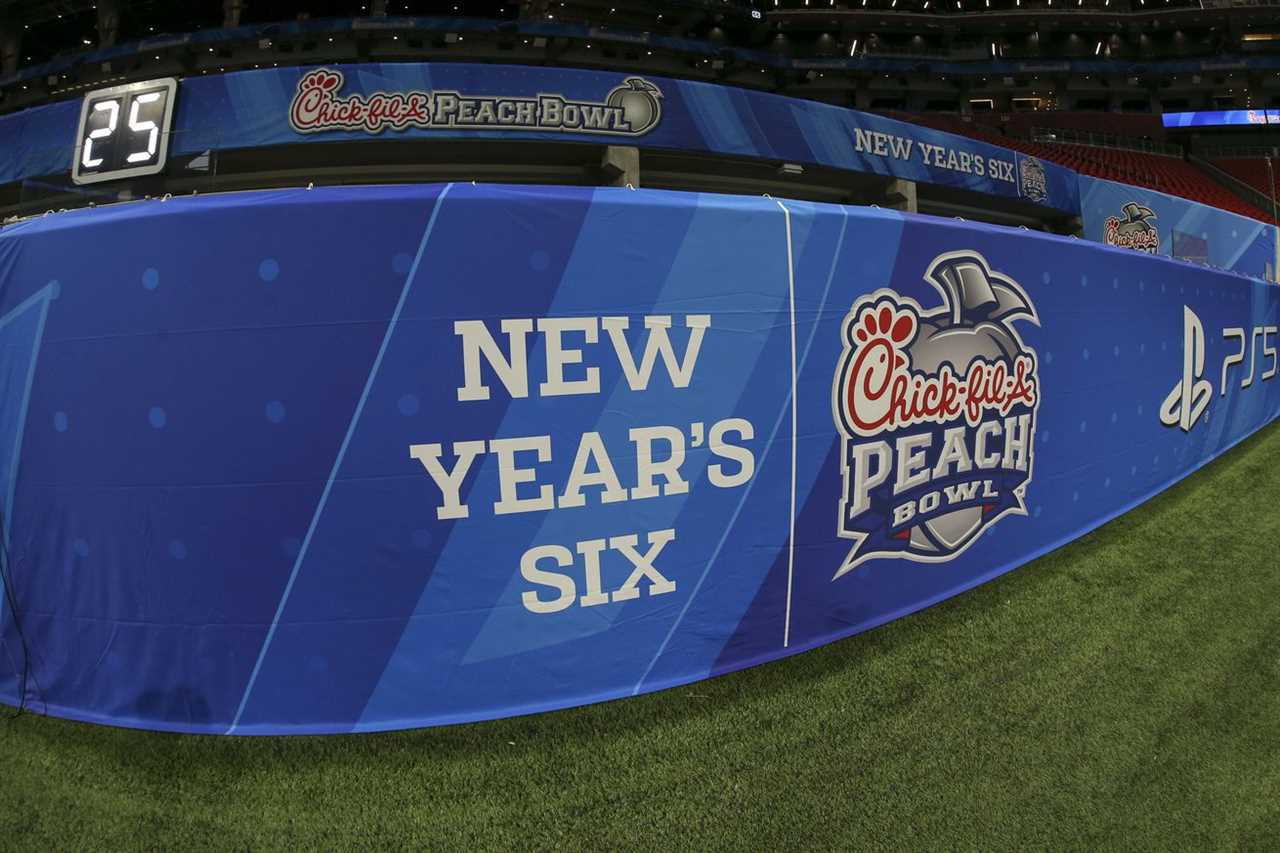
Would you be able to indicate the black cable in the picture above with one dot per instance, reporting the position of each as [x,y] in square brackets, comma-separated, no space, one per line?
[6,581]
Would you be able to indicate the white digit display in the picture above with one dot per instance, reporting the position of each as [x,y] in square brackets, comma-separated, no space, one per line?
[124,131]
[88,160]
[140,126]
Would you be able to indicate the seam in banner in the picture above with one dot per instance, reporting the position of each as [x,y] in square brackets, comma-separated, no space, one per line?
[791,534]
[342,452]
[777,424]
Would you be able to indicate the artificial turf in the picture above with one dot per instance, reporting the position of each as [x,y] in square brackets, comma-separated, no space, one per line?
[1123,692]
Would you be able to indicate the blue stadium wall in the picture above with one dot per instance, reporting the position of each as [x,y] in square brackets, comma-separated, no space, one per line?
[377,457]
[1161,224]
[249,109]
[268,107]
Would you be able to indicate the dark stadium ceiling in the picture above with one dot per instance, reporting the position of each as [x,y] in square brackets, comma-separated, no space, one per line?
[52,27]
[892,54]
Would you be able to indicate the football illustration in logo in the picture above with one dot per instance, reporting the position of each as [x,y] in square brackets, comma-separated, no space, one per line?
[937,409]
[1035,185]
[1134,231]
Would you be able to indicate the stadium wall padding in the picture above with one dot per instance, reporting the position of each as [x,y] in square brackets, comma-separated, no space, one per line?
[367,458]
[1173,226]
[251,108]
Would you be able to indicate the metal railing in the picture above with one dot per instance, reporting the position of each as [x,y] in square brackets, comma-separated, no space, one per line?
[1247,191]
[1220,151]
[1103,140]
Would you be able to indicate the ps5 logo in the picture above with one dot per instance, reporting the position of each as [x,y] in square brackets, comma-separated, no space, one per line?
[1188,402]
[1190,397]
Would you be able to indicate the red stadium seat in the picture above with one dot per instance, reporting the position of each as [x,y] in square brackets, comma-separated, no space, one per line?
[1160,172]
[1254,172]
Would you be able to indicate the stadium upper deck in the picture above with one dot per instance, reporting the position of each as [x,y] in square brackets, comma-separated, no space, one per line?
[956,55]
[1002,61]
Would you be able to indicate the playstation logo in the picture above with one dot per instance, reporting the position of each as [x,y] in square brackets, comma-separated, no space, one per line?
[1189,399]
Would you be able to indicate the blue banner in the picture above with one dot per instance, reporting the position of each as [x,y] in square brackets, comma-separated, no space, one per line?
[284,106]
[1160,224]
[365,458]
[1208,118]
[38,141]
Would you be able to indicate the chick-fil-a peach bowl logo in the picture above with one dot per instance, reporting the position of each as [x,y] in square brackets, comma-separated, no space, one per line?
[937,414]
[632,108]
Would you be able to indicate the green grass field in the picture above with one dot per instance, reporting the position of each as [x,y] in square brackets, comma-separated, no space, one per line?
[1123,692]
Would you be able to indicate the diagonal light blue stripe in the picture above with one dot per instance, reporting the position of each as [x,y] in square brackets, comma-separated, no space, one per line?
[342,452]
[43,294]
[1245,244]
[783,411]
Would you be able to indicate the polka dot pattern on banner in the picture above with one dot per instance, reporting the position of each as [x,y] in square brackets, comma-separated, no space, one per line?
[408,405]
[269,270]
